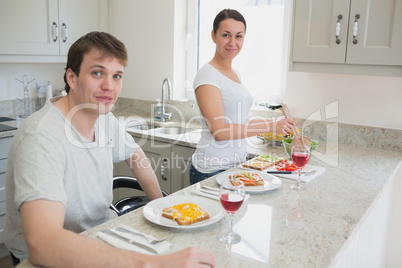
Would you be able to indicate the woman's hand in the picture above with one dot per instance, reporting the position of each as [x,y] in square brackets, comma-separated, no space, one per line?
[283,126]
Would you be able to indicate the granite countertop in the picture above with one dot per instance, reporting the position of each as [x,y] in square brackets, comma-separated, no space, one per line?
[300,228]
[307,228]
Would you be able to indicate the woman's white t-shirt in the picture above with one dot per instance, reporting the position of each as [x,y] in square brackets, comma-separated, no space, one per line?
[212,155]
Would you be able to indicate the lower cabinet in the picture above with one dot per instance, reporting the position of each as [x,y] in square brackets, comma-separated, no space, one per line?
[171,164]
[180,173]
[4,147]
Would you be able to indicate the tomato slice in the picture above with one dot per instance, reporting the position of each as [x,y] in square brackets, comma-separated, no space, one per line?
[284,165]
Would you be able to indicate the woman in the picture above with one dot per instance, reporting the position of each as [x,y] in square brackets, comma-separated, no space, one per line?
[225,103]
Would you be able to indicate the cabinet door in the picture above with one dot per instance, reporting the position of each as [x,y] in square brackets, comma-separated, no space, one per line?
[315,23]
[379,34]
[181,159]
[26,27]
[158,154]
[79,17]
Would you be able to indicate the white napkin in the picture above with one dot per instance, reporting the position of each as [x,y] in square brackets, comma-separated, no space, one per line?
[211,195]
[160,247]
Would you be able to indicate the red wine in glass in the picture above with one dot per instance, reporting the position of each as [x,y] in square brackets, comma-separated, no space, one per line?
[300,156]
[231,202]
[231,197]
[300,159]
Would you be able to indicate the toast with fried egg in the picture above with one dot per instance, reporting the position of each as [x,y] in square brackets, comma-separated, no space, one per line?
[185,213]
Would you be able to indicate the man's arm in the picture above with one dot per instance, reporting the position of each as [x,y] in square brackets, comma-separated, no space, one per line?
[50,245]
[143,172]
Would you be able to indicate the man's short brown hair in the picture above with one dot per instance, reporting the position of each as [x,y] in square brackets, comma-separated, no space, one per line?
[105,43]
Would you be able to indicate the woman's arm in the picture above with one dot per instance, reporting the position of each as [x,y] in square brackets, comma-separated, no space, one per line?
[209,100]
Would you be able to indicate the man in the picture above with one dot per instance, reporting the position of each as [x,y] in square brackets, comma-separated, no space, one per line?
[60,169]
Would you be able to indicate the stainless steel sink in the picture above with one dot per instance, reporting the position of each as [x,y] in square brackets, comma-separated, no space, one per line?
[172,130]
[140,126]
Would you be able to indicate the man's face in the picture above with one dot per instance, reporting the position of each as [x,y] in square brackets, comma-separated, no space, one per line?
[99,82]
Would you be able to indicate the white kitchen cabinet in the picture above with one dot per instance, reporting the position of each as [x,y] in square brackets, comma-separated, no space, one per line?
[181,162]
[376,25]
[171,164]
[4,147]
[48,27]
[159,155]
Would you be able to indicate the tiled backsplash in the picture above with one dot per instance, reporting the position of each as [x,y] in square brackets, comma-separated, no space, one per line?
[365,136]
[16,107]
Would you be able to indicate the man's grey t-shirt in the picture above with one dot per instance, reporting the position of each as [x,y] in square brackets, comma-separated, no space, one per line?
[50,160]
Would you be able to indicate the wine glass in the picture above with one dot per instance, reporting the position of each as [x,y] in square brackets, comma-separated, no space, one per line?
[300,156]
[231,197]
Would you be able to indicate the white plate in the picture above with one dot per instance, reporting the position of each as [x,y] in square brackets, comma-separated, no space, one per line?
[153,210]
[270,182]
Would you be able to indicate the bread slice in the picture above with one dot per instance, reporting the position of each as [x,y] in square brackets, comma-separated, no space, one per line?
[185,213]
[248,178]
[262,162]
[270,158]
[257,164]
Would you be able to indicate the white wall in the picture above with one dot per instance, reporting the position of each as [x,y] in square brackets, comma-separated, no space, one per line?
[11,89]
[363,100]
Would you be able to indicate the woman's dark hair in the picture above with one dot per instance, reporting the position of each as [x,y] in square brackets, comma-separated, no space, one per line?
[228,14]
[105,43]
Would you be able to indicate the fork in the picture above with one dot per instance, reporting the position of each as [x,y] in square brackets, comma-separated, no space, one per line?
[150,240]
[310,173]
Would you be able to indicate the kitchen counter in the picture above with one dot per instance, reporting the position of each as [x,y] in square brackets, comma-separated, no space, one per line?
[285,228]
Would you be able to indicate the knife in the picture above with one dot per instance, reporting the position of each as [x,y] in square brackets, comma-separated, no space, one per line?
[130,241]
[307,173]
[279,172]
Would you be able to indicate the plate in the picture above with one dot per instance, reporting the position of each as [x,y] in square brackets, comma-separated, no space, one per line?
[153,210]
[270,182]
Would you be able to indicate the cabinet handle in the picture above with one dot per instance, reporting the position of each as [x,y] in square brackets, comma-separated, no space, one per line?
[338,29]
[355,29]
[164,165]
[55,32]
[64,32]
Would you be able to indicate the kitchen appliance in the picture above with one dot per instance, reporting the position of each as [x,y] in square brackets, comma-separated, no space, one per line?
[6,126]
[44,92]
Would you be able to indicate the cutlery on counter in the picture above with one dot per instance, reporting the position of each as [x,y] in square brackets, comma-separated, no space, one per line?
[210,188]
[305,173]
[149,239]
[130,241]
[211,192]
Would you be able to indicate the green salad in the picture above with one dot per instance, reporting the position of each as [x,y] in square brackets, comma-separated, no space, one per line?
[286,142]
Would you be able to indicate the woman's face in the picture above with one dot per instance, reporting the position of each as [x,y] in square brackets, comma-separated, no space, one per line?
[229,38]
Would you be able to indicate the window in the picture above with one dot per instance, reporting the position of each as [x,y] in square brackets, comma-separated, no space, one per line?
[260,62]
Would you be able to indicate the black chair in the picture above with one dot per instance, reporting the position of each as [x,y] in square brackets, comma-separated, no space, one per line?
[128,204]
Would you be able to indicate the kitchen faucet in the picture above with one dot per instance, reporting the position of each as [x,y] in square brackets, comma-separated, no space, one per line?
[162,114]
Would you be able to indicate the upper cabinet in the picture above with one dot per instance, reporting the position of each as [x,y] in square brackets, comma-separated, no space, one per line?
[347,32]
[48,27]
